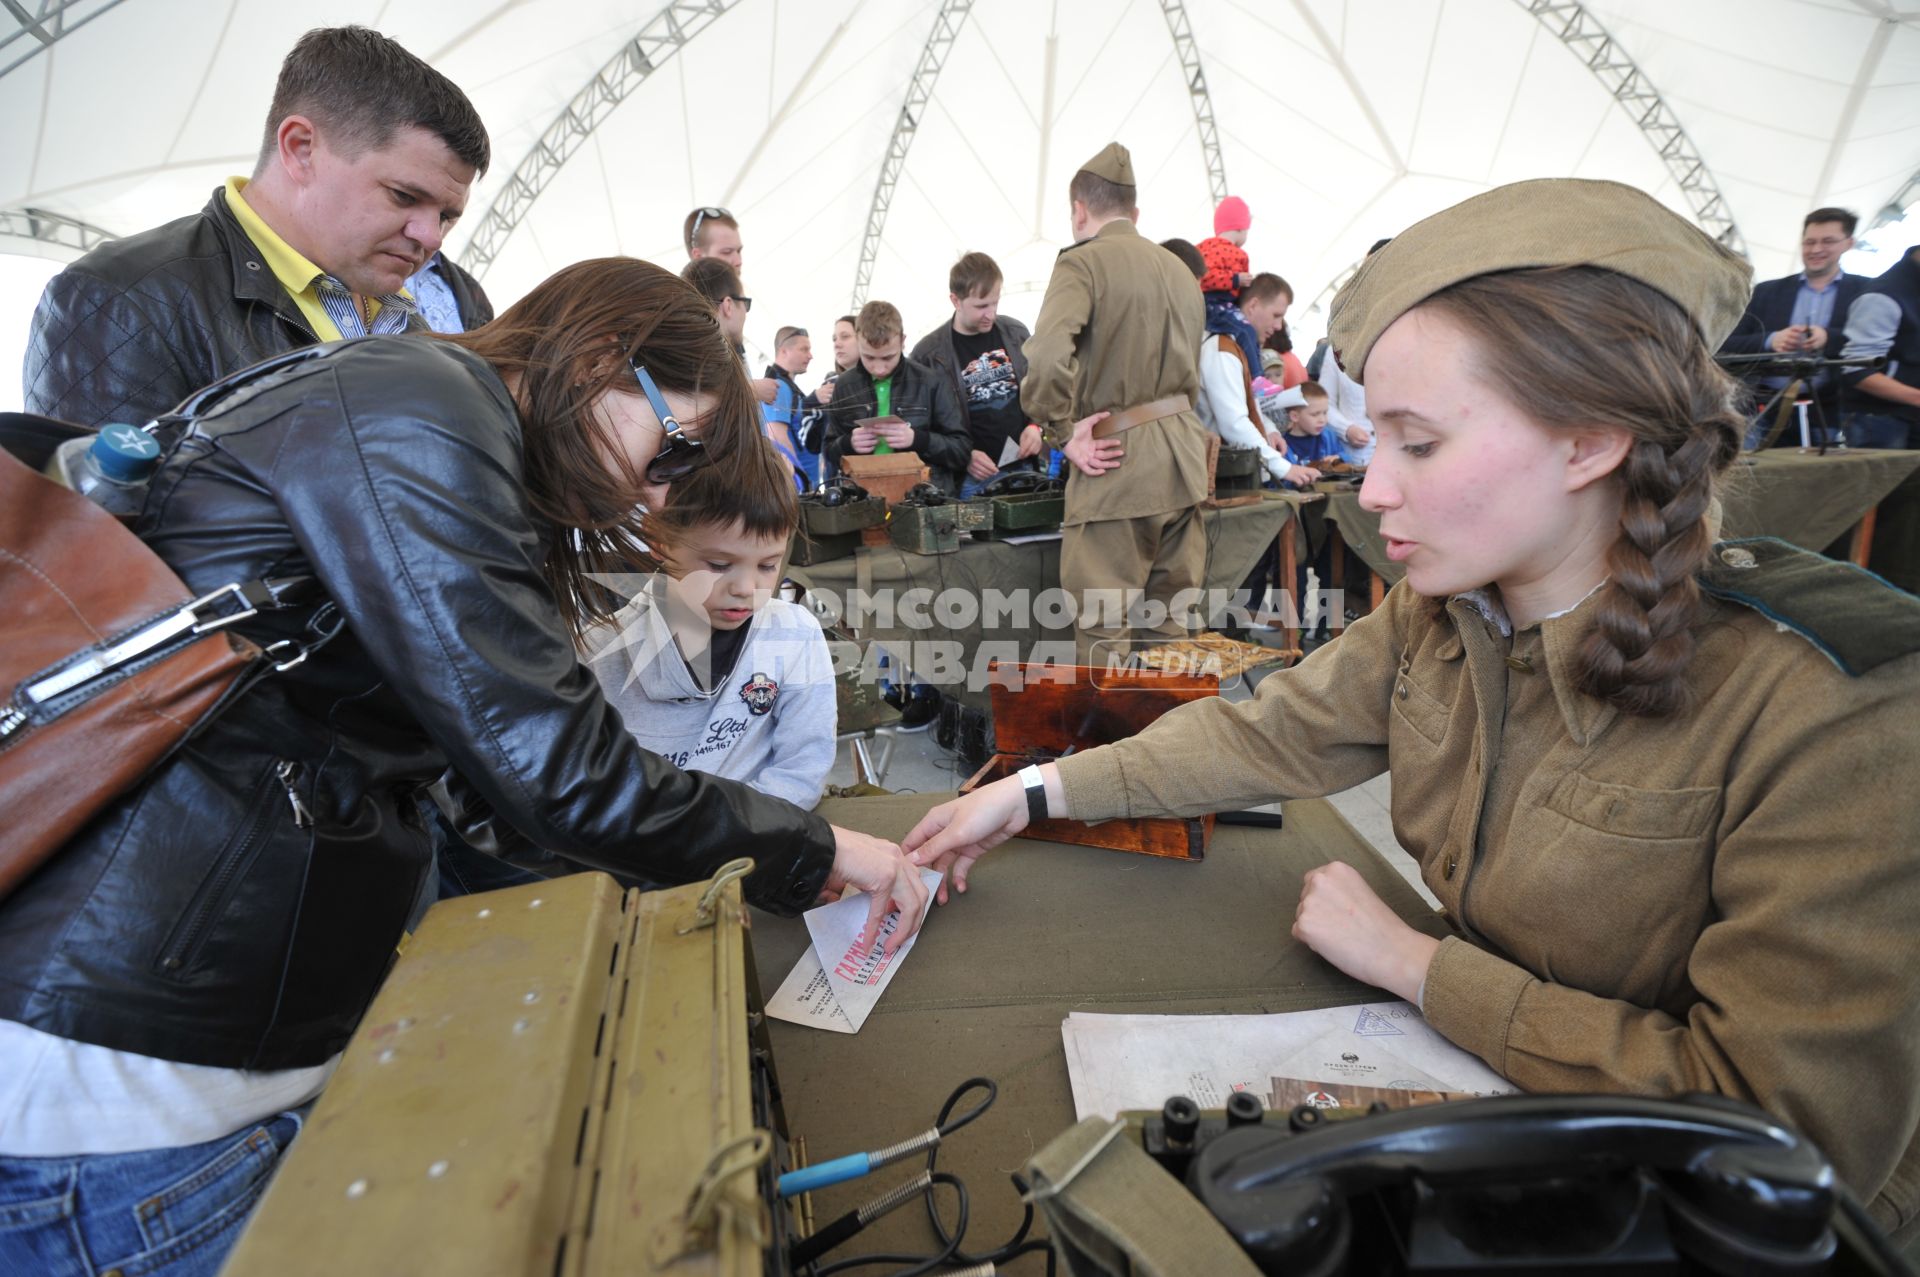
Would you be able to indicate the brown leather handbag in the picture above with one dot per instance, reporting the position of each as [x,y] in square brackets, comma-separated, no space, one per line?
[109,662]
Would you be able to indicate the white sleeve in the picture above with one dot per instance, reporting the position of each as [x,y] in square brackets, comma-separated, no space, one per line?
[806,720]
[1223,397]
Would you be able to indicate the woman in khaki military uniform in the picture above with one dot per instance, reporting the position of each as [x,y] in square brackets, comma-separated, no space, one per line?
[1663,788]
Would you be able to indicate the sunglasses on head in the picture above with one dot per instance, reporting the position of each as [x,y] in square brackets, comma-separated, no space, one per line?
[700,215]
[680,454]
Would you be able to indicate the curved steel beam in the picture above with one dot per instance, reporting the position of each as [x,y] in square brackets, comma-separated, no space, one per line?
[43,24]
[1175,13]
[1570,23]
[926,73]
[1896,207]
[663,36]
[52,228]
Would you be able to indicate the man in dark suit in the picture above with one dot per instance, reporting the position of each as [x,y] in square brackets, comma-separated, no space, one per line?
[1803,314]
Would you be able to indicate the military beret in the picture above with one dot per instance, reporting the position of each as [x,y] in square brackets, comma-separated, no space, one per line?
[1113,164]
[1546,222]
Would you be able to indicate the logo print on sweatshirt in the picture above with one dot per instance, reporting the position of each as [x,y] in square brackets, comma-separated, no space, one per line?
[759,692]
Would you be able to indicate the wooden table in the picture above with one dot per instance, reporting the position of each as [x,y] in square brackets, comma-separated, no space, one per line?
[1047,929]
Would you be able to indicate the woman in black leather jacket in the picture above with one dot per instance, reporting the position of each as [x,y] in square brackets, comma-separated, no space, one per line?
[190,964]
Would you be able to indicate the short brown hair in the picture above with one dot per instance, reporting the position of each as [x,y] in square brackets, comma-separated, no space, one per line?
[786,334]
[712,278]
[703,217]
[879,323]
[1264,285]
[1188,255]
[975,273]
[1843,216]
[755,493]
[1312,390]
[1102,198]
[361,88]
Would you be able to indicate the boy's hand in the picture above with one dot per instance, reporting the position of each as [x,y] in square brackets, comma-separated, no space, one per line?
[864,438]
[897,433]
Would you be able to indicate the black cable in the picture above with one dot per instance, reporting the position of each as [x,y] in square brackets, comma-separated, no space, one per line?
[1007,1249]
[921,1264]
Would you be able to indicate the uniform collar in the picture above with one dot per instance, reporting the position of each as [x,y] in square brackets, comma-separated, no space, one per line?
[1561,637]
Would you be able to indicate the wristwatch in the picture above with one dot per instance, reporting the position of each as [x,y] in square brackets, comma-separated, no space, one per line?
[1036,788]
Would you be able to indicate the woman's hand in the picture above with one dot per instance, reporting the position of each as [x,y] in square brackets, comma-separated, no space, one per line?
[1342,920]
[1089,455]
[823,393]
[862,862]
[954,835]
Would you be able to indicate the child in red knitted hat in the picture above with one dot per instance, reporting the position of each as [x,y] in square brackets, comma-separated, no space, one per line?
[1227,269]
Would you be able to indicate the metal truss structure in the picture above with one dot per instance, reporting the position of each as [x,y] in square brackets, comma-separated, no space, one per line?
[926,73]
[43,24]
[1175,13]
[1570,23]
[51,228]
[1892,210]
[663,36]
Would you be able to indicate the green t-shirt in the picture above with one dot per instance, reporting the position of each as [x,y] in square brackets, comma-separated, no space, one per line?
[883,405]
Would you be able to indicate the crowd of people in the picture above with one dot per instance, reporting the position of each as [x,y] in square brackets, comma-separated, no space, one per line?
[1640,747]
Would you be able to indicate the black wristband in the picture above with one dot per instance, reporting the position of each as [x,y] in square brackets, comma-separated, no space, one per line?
[1036,793]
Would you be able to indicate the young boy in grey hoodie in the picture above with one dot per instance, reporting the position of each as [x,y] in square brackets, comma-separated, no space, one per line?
[708,668]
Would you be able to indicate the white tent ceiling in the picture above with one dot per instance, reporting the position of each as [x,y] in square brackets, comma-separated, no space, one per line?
[1339,121]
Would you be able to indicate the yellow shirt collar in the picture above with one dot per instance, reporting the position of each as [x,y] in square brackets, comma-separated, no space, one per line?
[295,273]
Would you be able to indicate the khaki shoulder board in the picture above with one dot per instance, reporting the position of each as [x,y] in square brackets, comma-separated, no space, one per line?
[1857,619]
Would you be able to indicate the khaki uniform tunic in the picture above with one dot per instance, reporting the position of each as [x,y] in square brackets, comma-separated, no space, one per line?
[1725,901]
[1121,325]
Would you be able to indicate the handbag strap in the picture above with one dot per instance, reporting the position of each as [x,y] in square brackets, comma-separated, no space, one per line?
[77,678]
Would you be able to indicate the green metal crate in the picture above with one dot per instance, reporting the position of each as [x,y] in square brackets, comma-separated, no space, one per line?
[925,529]
[819,520]
[1026,513]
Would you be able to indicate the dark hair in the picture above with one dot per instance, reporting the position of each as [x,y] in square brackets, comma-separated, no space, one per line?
[1846,219]
[360,88]
[703,217]
[712,278]
[1264,285]
[879,323]
[569,341]
[1280,340]
[1102,198]
[851,321]
[1582,346]
[1309,390]
[756,493]
[1187,253]
[973,273]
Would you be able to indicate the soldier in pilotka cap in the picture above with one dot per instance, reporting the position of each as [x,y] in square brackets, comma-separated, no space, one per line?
[1112,372]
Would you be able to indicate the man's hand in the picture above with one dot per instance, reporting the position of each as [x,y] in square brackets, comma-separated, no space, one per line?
[862,862]
[823,393]
[1358,436]
[864,438]
[1790,340]
[1816,338]
[1300,476]
[765,389]
[954,835]
[1092,456]
[1277,441]
[1032,440]
[897,433]
[1342,920]
[981,466]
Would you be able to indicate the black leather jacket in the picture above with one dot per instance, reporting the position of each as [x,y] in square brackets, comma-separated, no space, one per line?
[240,907]
[138,324]
[925,400]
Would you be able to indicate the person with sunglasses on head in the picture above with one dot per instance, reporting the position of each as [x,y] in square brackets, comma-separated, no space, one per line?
[448,517]
[711,231]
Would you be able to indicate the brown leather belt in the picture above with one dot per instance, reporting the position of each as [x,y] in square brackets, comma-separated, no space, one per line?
[1140,414]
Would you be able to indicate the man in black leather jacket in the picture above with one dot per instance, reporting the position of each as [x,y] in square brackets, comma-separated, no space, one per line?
[923,398]
[346,202]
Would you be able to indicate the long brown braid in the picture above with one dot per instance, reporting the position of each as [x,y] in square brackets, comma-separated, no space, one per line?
[1583,346]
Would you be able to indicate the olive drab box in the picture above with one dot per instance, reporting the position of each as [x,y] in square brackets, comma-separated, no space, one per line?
[561,1079]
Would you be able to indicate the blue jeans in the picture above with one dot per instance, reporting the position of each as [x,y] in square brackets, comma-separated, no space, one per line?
[1878,430]
[970,486]
[164,1212]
